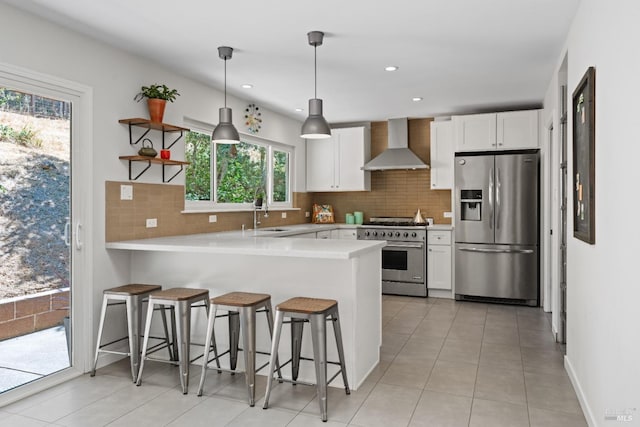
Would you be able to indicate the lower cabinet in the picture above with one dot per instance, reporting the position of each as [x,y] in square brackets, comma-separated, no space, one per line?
[303,236]
[344,233]
[439,261]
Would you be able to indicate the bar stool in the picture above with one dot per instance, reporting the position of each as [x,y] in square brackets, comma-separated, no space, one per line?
[181,300]
[242,308]
[317,312]
[132,296]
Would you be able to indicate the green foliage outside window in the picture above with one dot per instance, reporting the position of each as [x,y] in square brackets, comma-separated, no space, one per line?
[197,151]
[241,171]
[280,176]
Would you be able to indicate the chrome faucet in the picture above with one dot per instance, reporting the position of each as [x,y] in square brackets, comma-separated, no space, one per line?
[257,207]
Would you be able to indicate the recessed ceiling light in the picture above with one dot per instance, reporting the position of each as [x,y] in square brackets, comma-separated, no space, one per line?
[391,68]
[416,99]
[299,110]
[247,86]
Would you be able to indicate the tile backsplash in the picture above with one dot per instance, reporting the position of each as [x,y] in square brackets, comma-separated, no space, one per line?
[126,219]
[393,193]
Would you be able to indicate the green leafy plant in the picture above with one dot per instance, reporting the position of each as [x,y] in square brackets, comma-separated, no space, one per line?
[157,91]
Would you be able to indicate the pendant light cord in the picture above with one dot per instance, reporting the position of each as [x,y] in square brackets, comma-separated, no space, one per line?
[225,82]
[315,71]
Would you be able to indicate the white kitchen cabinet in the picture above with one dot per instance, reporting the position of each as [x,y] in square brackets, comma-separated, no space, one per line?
[517,130]
[344,233]
[334,164]
[496,131]
[442,155]
[303,236]
[325,234]
[439,261]
[476,132]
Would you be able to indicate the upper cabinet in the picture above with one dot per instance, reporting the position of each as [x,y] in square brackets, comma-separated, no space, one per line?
[334,164]
[442,155]
[509,130]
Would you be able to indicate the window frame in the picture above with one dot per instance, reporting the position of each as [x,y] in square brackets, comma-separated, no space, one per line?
[213,205]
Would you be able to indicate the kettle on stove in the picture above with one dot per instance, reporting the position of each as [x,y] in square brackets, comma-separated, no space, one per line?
[418,219]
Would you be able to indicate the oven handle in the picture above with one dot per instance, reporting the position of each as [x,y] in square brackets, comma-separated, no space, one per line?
[404,245]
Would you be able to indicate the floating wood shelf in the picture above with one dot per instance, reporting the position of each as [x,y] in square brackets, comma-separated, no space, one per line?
[148,125]
[149,161]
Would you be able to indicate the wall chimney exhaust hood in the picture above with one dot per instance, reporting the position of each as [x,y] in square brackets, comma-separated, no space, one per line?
[397,155]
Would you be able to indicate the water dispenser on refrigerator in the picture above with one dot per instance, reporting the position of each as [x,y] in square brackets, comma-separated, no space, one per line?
[471,205]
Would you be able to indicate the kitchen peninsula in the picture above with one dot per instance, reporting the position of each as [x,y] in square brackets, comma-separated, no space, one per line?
[348,271]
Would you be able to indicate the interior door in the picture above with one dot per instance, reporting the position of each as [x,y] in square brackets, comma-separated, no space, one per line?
[516,199]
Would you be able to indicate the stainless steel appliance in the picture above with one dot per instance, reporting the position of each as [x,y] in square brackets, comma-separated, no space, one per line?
[404,262]
[496,226]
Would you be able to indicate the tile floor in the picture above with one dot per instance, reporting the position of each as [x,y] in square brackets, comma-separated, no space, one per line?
[443,363]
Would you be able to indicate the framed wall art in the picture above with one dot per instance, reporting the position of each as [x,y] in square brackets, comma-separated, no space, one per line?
[584,141]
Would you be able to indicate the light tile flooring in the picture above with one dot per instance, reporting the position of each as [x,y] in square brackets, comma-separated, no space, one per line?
[444,363]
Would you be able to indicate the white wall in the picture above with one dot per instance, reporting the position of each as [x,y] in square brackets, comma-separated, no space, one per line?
[116,76]
[603,335]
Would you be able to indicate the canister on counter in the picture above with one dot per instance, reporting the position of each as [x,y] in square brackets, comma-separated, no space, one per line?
[359,217]
[349,218]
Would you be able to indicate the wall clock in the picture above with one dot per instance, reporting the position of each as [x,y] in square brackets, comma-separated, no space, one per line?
[253,118]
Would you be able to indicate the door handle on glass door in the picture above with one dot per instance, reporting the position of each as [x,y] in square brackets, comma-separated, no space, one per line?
[67,236]
[78,241]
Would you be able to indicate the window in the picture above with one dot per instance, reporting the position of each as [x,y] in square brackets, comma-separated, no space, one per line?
[233,176]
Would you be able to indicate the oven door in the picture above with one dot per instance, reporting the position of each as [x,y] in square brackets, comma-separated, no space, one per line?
[403,262]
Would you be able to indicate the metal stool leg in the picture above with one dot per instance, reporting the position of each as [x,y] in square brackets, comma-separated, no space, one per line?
[183,323]
[103,313]
[134,324]
[273,357]
[338,334]
[297,326]
[248,326]
[166,333]
[234,338]
[147,329]
[319,339]
[213,310]
[270,325]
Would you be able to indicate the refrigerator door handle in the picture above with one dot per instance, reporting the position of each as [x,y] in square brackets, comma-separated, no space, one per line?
[490,198]
[498,185]
[498,251]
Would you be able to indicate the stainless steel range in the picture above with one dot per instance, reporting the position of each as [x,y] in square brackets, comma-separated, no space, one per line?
[404,259]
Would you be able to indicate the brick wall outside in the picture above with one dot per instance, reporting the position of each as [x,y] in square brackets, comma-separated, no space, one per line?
[30,313]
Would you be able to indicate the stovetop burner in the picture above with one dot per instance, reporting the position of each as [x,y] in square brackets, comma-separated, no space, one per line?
[390,221]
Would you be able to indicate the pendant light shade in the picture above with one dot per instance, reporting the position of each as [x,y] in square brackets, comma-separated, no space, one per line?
[315,127]
[225,132]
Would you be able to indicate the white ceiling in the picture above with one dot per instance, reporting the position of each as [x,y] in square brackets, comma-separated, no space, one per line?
[459,55]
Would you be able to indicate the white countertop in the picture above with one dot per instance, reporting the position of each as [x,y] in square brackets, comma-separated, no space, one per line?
[439,227]
[265,242]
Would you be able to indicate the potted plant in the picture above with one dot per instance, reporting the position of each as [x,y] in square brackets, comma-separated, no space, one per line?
[157,97]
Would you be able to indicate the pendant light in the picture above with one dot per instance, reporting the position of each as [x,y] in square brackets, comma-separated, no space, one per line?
[225,132]
[315,127]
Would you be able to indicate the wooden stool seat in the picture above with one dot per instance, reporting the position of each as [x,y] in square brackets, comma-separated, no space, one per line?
[133,289]
[306,305]
[240,299]
[180,294]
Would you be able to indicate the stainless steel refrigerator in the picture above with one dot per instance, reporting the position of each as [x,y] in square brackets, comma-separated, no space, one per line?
[497,226]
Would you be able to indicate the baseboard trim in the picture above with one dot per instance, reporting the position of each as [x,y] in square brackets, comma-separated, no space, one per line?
[586,409]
